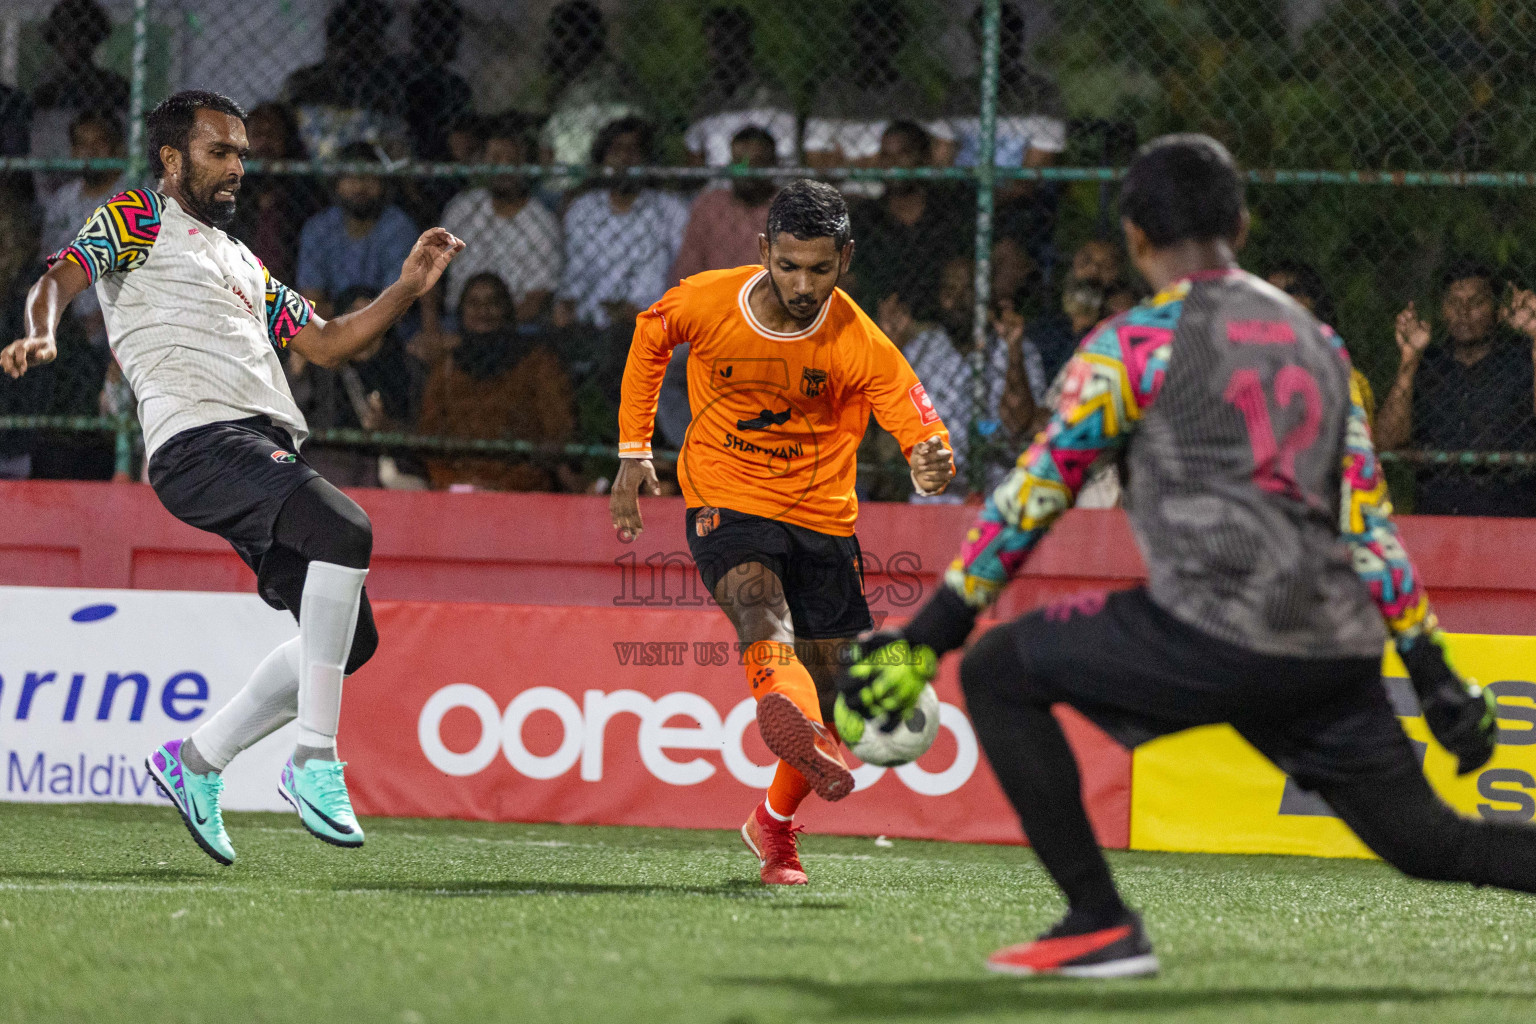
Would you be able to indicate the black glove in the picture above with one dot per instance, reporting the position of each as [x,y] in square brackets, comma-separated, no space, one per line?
[1462,715]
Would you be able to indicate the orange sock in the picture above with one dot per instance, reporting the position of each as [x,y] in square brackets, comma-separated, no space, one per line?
[788,790]
[773,668]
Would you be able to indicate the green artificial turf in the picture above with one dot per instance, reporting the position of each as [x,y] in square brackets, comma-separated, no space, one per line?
[111,914]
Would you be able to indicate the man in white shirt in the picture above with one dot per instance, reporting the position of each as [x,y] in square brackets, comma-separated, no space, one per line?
[196,322]
[620,242]
[506,232]
[93,134]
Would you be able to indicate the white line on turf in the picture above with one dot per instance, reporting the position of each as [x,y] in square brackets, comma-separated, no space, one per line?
[556,844]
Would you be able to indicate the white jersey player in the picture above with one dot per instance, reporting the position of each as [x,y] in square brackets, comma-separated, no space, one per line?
[196,323]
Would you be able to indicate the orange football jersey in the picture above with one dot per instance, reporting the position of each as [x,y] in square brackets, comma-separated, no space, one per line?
[777,418]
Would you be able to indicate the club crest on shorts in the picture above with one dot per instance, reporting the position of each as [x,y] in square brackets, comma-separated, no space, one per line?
[282,456]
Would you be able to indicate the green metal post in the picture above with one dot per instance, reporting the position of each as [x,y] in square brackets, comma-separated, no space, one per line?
[986,182]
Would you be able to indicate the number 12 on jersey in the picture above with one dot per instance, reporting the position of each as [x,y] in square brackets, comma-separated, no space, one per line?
[1274,460]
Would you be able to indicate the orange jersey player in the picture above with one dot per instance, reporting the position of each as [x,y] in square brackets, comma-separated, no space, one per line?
[783,373]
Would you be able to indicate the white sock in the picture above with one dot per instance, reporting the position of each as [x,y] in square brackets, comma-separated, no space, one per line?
[775,814]
[327,619]
[265,704]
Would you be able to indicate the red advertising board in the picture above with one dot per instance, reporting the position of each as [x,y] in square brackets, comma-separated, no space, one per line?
[637,717]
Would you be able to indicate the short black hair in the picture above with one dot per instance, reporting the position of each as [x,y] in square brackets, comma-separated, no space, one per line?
[170,123]
[757,134]
[610,133]
[1463,268]
[914,134]
[808,209]
[1306,280]
[104,119]
[513,126]
[1181,188]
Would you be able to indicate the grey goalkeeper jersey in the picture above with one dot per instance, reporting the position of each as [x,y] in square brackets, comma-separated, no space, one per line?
[194,318]
[1228,408]
[1233,478]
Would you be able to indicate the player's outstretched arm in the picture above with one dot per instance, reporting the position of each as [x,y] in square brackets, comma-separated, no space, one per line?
[1459,712]
[656,335]
[46,302]
[332,342]
[1100,405]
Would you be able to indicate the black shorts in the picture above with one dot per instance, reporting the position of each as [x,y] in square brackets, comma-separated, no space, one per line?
[1139,673]
[233,479]
[823,575]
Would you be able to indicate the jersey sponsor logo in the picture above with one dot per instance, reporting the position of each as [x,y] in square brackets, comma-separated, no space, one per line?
[764,419]
[781,451]
[1261,332]
[812,382]
[733,372]
[241,296]
[282,456]
[923,404]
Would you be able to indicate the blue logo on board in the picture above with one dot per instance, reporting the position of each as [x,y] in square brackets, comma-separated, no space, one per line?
[94,613]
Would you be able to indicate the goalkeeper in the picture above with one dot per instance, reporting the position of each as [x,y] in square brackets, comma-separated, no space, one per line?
[1272,560]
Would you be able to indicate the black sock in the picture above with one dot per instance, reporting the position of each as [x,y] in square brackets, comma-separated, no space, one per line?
[1038,772]
[1402,819]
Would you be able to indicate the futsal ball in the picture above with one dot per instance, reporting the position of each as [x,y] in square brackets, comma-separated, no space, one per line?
[907,740]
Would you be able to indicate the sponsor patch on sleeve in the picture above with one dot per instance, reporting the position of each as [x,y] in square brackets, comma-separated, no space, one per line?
[924,405]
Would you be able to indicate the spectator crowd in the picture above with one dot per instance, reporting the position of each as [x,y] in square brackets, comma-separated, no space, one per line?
[526,337]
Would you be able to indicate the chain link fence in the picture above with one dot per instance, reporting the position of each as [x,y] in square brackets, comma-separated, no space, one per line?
[593,153]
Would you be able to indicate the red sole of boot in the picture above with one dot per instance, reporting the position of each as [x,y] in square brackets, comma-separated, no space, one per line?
[792,738]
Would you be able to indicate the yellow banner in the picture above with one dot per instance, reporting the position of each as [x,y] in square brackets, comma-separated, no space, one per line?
[1206,790]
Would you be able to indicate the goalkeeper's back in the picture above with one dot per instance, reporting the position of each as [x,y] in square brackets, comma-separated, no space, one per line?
[1235,474]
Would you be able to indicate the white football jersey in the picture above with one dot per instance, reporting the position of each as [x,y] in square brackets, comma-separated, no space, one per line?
[194,318]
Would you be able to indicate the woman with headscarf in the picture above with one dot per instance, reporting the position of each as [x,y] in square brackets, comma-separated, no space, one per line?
[492,382]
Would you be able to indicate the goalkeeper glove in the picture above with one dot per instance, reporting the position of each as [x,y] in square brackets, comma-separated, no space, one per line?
[1462,715]
[886,678]
[890,669]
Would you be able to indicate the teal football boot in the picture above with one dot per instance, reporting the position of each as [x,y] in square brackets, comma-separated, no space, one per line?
[319,793]
[196,799]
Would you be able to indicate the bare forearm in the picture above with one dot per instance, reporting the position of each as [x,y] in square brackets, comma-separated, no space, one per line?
[1394,423]
[48,298]
[340,339]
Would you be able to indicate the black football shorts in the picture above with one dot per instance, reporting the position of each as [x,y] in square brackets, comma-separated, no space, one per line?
[823,575]
[232,479]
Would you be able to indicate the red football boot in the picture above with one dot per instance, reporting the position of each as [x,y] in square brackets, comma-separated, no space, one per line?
[772,842]
[805,745]
[1119,952]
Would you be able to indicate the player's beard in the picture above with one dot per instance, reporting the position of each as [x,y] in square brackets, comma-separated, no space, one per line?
[797,313]
[199,194]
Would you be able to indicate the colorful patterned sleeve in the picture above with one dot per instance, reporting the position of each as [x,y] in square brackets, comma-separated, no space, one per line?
[1365,520]
[1111,381]
[118,236]
[287,310]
